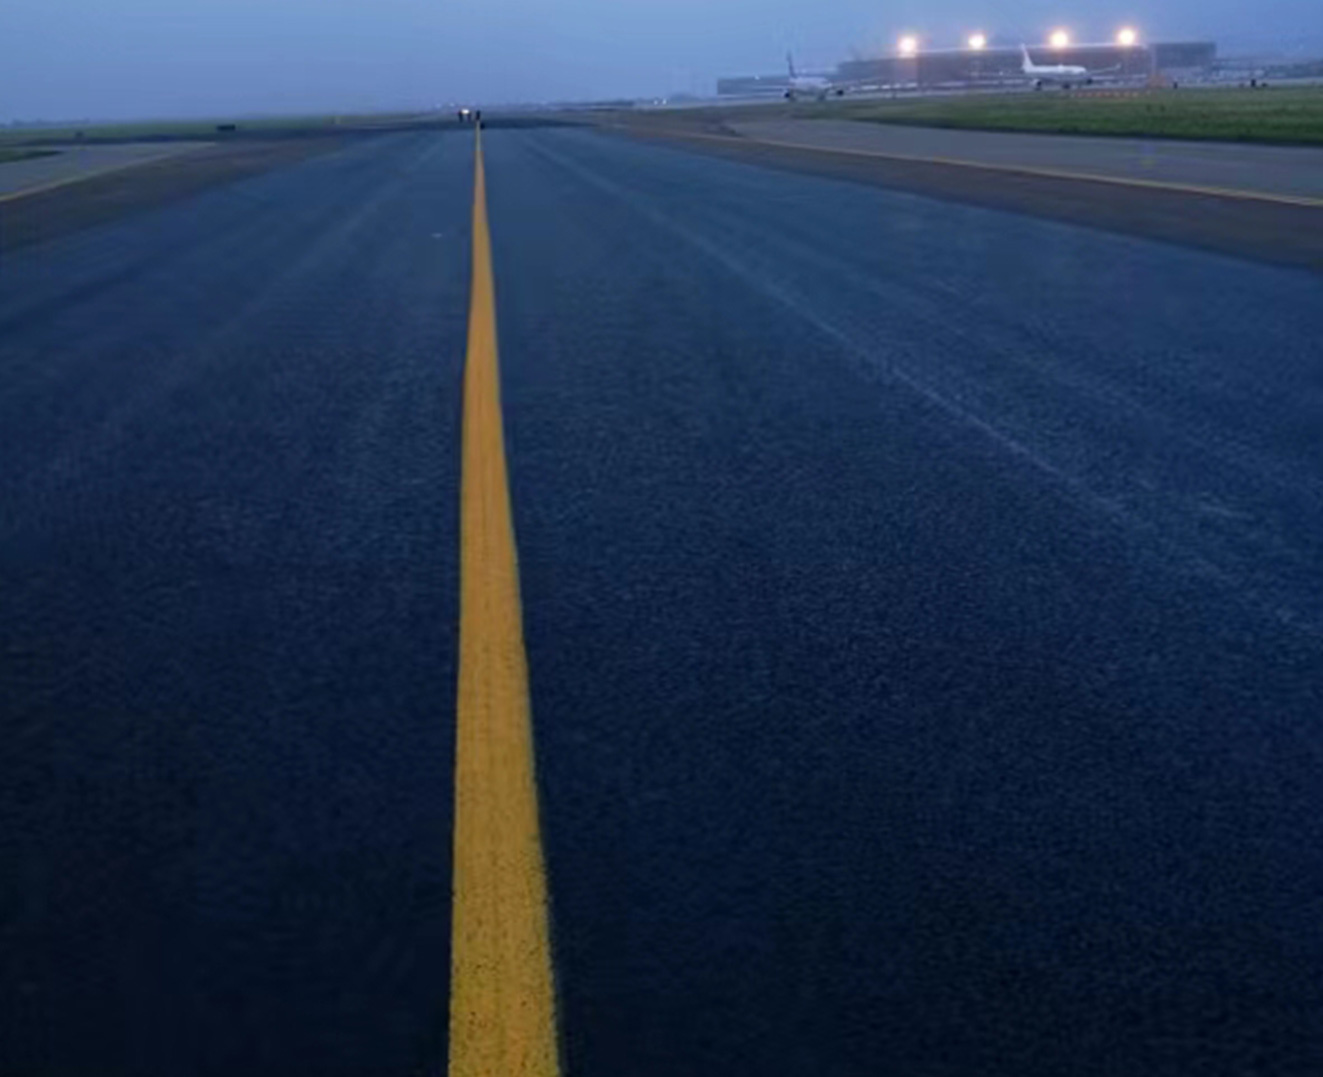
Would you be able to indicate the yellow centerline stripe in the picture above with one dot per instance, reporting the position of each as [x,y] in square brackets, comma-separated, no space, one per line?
[502,998]
[1028,170]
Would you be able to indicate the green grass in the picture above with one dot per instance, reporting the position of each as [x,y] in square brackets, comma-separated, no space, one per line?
[7,155]
[1272,115]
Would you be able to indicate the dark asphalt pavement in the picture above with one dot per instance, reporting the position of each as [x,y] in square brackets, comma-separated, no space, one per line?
[1291,171]
[229,439]
[924,608]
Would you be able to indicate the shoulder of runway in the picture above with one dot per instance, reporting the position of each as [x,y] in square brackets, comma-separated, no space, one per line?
[47,215]
[1276,232]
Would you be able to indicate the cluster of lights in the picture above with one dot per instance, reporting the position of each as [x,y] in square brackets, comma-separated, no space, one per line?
[908,45]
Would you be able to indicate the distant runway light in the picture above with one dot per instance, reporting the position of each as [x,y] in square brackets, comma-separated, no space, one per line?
[978,41]
[909,45]
[1126,37]
[1059,39]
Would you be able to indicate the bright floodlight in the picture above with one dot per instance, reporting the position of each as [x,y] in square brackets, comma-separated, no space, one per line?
[909,45]
[977,41]
[1126,37]
[1059,39]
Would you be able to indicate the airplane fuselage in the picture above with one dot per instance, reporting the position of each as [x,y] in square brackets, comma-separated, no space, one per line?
[808,86]
[1057,71]
[1062,74]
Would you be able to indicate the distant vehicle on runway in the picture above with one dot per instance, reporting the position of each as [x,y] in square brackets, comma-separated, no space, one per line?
[1063,75]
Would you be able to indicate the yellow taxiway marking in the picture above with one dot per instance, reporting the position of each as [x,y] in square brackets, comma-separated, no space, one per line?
[502,998]
[1031,170]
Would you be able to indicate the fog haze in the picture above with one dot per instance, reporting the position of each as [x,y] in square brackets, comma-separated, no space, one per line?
[69,59]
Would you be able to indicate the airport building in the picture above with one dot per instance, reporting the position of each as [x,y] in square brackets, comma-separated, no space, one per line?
[992,65]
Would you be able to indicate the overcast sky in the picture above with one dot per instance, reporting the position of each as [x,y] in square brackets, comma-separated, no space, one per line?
[76,59]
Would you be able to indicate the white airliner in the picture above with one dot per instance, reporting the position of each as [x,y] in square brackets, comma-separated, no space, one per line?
[810,85]
[1064,75]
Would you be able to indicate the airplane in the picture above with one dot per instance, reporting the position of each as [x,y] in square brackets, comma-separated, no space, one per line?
[810,85]
[1062,74]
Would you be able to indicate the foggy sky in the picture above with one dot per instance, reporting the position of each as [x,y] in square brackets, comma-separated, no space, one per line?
[80,59]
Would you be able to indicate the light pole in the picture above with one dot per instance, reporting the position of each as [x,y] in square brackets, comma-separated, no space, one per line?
[977,43]
[908,47]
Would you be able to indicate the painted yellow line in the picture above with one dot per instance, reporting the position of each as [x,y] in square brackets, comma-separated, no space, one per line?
[502,999]
[66,181]
[1031,170]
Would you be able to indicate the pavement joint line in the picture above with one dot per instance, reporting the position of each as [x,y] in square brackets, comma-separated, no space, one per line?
[68,181]
[1028,170]
[502,992]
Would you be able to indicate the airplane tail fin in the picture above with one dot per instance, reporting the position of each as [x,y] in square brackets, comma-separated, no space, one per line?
[790,63]
[1028,63]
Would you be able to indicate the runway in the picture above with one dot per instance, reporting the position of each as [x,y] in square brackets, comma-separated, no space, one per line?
[922,606]
[1289,172]
[75,163]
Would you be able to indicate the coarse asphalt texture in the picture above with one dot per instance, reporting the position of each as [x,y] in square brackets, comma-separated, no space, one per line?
[923,602]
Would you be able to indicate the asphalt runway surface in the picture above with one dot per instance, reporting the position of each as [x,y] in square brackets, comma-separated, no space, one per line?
[76,162]
[40,216]
[1277,230]
[923,606]
[1291,171]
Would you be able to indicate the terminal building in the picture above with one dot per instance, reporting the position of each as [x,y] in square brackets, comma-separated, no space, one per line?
[994,65]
